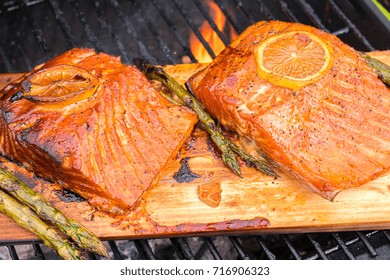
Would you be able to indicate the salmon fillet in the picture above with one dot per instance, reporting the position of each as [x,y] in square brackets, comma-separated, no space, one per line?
[94,125]
[330,135]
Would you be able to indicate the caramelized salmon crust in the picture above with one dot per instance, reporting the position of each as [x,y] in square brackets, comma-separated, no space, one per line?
[331,134]
[94,125]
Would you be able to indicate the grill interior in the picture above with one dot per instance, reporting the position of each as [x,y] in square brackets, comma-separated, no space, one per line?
[36,30]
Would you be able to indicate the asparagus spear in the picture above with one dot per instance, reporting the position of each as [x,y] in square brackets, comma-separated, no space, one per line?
[25,195]
[26,218]
[158,74]
[382,69]
[226,147]
[252,161]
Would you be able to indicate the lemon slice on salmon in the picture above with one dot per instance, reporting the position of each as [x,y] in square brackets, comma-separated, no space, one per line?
[293,59]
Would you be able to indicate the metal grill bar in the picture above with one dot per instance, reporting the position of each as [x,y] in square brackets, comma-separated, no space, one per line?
[317,247]
[285,9]
[213,25]
[182,248]
[38,251]
[201,251]
[161,43]
[240,250]
[367,243]
[87,28]
[341,31]
[130,30]
[37,31]
[191,23]
[265,11]
[5,60]
[246,13]
[237,27]
[60,18]
[144,249]
[213,250]
[115,250]
[266,250]
[16,42]
[343,246]
[309,11]
[25,57]
[12,252]
[386,234]
[351,25]
[291,247]
[175,31]
[14,5]
[106,25]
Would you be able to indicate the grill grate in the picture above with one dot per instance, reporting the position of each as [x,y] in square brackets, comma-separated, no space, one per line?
[159,32]
[313,246]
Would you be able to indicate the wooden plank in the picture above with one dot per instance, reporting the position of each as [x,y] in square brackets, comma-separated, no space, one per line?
[254,203]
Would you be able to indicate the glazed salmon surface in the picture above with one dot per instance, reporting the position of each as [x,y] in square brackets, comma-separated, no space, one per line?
[330,134]
[94,125]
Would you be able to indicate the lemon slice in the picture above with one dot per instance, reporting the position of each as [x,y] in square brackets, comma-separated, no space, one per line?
[293,59]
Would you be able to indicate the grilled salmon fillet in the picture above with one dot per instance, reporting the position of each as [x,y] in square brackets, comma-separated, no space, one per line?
[94,125]
[330,133]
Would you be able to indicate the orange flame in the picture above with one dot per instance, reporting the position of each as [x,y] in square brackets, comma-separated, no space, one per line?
[210,36]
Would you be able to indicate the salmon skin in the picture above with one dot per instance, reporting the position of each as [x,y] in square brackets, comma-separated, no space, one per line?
[330,135]
[94,125]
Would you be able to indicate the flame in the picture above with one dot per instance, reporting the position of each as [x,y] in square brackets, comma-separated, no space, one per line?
[210,36]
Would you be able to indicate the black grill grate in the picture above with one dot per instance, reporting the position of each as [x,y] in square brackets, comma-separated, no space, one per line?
[159,31]
[313,246]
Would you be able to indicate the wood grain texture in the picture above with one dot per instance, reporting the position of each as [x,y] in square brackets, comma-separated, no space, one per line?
[252,204]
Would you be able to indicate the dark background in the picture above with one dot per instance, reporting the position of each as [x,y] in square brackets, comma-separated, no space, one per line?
[34,31]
